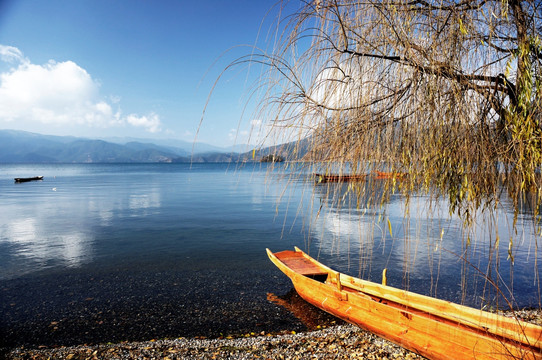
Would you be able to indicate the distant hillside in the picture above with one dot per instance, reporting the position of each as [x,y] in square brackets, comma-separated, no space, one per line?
[26,147]
[177,145]
[291,151]
[211,157]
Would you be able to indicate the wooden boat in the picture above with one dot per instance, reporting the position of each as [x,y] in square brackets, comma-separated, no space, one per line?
[389,175]
[433,328]
[19,180]
[323,178]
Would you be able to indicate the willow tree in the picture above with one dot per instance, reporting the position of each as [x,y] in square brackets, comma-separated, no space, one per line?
[448,91]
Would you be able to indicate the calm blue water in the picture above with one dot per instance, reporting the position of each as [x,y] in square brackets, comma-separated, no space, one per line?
[136,215]
[107,243]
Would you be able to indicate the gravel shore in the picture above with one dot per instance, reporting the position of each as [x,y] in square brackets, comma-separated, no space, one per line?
[337,342]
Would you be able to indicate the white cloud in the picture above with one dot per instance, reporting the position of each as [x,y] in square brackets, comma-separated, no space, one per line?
[151,122]
[11,54]
[59,94]
[114,99]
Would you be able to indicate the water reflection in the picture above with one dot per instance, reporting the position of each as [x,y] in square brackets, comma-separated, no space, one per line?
[427,250]
[125,216]
[22,231]
[147,200]
[167,213]
[105,215]
[27,239]
[44,229]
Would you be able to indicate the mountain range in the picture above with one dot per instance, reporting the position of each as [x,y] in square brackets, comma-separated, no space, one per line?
[26,147]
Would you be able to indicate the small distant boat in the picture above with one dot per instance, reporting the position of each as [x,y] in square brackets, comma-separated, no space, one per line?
[433,328]
[323,178]
[20,180]
[389,175]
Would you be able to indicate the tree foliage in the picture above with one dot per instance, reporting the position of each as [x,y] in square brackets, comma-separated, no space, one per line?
[448,91]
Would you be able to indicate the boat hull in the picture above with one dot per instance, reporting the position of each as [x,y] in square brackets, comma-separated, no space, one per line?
[325,178]
[20,180]
[438,336]
[389,175]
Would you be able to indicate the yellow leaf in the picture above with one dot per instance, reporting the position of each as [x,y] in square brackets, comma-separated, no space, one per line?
[510,255]
[389,227]
[462,27]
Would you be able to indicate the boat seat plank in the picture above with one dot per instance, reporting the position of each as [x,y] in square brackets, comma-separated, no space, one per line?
[297,262]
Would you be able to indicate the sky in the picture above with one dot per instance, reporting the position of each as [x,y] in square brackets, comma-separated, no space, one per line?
[131,68]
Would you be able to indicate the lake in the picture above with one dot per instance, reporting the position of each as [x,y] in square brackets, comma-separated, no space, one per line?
[114,252]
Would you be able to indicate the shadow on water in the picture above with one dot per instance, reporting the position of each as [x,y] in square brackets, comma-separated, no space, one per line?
[312,317]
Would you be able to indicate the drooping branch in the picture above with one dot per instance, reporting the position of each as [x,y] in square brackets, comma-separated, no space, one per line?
[441,89]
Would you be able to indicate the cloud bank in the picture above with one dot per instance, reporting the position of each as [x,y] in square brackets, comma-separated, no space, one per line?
[59,94]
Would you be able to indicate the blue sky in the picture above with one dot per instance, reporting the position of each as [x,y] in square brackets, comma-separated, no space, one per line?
[102,68]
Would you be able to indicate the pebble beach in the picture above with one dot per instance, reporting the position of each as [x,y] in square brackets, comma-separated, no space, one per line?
[337,342]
